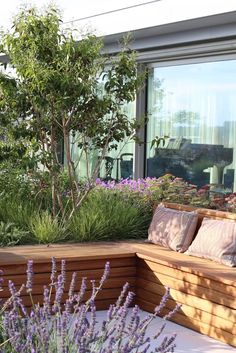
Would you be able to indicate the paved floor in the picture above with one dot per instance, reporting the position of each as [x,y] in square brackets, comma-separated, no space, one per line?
[187,341]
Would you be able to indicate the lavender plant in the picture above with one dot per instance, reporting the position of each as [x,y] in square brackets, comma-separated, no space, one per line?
[73,327]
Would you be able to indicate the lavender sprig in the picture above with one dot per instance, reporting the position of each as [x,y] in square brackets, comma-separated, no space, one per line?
[29,272]
[73,327]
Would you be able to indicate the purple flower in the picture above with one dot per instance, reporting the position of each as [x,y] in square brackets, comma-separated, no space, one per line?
[105,274]
[63,271]
[48,329]
[53,270]
[29,272]
[1,280]
[163,302]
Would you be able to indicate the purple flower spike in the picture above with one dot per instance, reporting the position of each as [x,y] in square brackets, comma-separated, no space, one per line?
[30,273]
[163,302]
[1,280]
[105,274]
[73,326]
[63,271]
[53,271]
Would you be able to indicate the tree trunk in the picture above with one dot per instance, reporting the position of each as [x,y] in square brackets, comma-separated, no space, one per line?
[55,170]
[70,166]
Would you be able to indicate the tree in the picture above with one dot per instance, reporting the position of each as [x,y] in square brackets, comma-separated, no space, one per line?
[61,89]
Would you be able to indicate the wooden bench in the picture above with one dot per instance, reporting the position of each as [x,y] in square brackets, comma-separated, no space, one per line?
[206,290]
[88,260]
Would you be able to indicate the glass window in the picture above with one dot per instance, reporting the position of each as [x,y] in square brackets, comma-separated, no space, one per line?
[195,106]
[117,163]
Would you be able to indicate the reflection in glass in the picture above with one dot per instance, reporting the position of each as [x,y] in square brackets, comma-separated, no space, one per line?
[195,105]
[117,163]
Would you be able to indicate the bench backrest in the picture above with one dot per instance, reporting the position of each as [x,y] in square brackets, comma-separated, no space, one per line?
[203,212]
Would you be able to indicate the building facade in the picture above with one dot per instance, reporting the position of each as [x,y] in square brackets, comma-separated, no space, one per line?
[189,97]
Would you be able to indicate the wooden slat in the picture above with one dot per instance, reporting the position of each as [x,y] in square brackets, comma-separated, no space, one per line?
[20,254]
[44,278]
[206,212]
[71,265]
[203,212]
[205,289]
[194,324]
[186,310]
[110,294]
[188,288]
[193,301]
[200,267]
[111,283]
[187,277]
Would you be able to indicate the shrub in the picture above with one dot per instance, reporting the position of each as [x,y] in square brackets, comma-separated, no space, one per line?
[11,235]
[13,210]
[108,214]
[13,181]
[47,229]
[73,328]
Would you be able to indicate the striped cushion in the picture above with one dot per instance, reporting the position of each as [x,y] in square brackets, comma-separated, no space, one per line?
[172,229]
[215,240]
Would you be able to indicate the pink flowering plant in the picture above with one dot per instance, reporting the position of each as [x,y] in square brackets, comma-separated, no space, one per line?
[71,325]
[171,189]
[166,188]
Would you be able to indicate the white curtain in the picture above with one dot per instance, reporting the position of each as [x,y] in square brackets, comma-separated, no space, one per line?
[196,102]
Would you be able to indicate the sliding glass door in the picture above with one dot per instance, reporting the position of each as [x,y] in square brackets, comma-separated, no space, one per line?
[194,104]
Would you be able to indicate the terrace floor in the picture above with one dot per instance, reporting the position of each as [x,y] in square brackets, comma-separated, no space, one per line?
[187,341]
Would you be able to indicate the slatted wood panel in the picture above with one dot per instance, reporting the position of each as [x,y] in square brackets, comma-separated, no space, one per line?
[206,290]
[88,260]
[207,306]
[189,264]
[194,324]
[203,212]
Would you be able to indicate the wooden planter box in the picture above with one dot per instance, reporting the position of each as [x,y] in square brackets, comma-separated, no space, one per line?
[206,289]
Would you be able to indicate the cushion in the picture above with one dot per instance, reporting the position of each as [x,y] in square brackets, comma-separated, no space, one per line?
[215,240]
[172,229]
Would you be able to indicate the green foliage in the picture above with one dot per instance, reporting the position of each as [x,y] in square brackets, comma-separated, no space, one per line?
[13,181]
[61,87]
[47,229]
[15,211]
[108,215]
[157,141]
[11,235]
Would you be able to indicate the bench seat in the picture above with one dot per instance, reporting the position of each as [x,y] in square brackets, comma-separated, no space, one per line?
[206,289]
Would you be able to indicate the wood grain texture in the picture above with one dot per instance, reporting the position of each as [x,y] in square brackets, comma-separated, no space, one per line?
[87,260]
[191,300]
[206,290]
[86,251]
[189,311]
[207,283]
[190,264]
[194,324]
[187,287]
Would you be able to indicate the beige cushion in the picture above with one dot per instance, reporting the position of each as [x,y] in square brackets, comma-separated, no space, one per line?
[215,240]
[172,229]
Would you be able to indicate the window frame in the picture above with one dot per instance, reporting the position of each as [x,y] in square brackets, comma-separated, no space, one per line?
[182,55]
